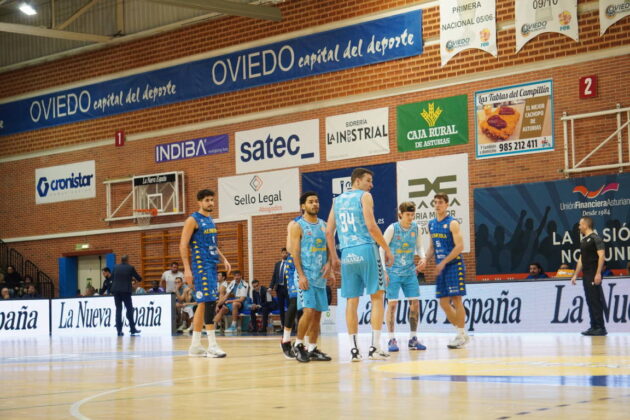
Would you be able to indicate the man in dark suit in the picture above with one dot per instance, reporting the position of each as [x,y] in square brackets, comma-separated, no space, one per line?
[121,289]
[279,283]
[261,306]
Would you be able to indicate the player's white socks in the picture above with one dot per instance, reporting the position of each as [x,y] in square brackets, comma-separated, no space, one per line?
[307,341]
[298,341]
[286,335]
[212,339]
[311,347]
[196,341]
[353,341]
[392,335]
[461,331]
[376,338]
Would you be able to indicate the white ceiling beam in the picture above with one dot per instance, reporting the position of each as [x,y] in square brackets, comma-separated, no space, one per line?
[51,33]
[76,15]
[229,8]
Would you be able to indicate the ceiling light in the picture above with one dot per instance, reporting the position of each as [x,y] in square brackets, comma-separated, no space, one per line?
[27,9]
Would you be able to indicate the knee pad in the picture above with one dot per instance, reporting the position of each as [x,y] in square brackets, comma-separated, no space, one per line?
[208,314]
[289,317]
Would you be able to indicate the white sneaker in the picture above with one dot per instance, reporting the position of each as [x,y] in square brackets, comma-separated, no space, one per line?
[215,352]
[197,351]
[377,354]
[458,342]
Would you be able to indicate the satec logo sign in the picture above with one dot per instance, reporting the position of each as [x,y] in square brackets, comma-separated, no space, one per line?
[280,146]
[66,182]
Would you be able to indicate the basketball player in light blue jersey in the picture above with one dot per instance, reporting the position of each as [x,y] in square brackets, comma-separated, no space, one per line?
[352,218]
[310,255]
[199,236]
[405,242]
[447,244]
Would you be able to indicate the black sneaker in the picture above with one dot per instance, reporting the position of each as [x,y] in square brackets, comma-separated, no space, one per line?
[287,348]
[355,356]
[301,354]
[596,332]
[120,333]
[318,355]
[587,332]
[135,332]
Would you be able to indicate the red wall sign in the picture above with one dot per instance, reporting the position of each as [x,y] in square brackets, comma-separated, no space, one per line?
[120,138]
[588,87]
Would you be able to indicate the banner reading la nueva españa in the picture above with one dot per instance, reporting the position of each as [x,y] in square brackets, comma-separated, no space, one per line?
[365,43]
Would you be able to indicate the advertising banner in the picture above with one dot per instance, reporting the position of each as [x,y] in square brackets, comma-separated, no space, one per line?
[361,44]
[435,123]
[514,120]
[74,181]
[466,24]
[187,149]
[357,134]
[329,184]
[21,318]
[516,225]
[509,307]
[420,179]
[94,316]
[277,147]
[541,16]
[612,11]
[260,194]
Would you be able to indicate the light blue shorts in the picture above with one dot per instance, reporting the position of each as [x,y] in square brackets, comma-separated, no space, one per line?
[314,298]
[408,284]
[361,271]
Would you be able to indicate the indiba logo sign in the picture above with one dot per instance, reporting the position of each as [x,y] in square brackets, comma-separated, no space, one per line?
[280,146]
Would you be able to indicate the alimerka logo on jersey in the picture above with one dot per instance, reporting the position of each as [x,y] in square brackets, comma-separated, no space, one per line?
[581,189]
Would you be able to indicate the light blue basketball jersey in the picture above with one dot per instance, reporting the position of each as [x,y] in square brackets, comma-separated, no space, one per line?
[203,242]
[313,251]
[441,237]
[403,245]
[351,227]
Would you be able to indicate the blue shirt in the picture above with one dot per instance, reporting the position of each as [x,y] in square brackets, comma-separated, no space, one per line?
[441,237]
[403,246]
[313,250]
[203,242]
[351,227]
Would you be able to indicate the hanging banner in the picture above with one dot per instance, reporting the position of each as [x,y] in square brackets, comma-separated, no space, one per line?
[362,44]
[329,184]
[611,11]
[277,147]
[435,123]
[259,194]
[549,306]
[514,120]
[357,134]
[420,179]
[517,225]
[466,24]
[541,16]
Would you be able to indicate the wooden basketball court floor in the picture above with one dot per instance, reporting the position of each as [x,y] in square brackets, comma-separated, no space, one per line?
[499,376]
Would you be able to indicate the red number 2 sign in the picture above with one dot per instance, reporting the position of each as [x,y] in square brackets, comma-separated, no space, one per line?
[588,87]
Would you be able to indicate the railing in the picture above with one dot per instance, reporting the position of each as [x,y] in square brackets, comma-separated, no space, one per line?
[10,256]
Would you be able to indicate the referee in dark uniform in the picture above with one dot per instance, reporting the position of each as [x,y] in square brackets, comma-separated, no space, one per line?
[121,289]
[590,263]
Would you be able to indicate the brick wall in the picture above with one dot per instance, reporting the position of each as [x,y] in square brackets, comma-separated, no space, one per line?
[21,217]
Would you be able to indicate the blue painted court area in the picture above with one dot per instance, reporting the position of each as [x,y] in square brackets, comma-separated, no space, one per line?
[612,381]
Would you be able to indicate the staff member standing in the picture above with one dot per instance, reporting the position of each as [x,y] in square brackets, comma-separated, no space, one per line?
[121,289]
[591,262]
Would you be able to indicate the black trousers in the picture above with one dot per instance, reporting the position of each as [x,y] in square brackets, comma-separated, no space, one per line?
[594,300]
[283,299]
[119,299]
[264,310]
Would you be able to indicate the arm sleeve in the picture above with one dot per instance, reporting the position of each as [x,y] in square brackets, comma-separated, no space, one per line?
[388,235]
[419,248]
[599,244]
